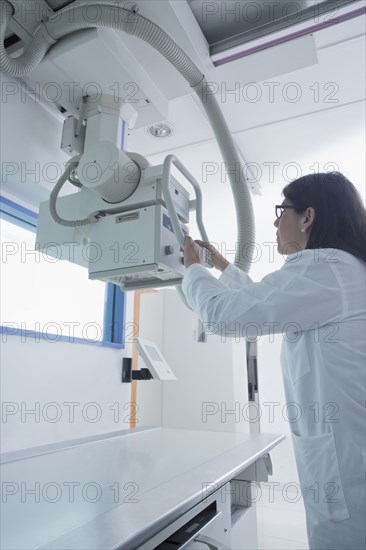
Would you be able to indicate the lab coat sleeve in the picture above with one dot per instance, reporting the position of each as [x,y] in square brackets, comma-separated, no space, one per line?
[234,278]
[303,294]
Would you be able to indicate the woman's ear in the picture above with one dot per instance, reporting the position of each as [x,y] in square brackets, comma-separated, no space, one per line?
[309,218]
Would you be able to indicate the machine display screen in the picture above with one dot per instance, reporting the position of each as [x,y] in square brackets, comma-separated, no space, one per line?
[167,223]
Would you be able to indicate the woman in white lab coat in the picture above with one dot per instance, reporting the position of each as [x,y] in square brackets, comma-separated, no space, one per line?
[317,301]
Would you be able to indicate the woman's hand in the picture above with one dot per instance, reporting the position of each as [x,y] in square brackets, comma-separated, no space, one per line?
[218,261]
[192,254]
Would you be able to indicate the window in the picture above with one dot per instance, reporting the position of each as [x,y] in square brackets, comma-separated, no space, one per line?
[51,299]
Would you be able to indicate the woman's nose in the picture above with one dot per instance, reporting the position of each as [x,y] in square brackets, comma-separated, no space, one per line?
[275,223]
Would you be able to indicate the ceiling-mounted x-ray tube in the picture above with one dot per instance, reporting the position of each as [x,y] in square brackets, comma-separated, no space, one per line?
[119,18]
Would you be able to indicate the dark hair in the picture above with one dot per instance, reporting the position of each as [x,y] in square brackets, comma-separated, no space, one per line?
[340,217]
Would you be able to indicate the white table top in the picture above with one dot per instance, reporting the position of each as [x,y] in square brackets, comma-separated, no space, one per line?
[117,492]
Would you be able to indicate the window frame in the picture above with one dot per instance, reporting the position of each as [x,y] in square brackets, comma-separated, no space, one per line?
[115,300]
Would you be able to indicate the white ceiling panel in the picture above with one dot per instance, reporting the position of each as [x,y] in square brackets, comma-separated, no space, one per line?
[189,123]
[338,79]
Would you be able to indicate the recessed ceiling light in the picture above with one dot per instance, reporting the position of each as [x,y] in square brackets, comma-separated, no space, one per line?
[161,130]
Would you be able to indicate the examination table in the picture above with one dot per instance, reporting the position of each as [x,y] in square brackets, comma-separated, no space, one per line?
[135,489]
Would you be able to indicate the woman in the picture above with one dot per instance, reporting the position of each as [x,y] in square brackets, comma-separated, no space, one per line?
[317,301]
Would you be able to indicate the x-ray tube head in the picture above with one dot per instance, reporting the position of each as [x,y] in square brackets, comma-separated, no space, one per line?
[109,172]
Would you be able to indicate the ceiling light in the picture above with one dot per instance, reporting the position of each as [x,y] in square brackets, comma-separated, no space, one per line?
[161,130]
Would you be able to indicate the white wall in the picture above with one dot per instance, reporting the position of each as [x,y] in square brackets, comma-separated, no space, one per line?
[149,392]
[32,160]
[74,389]
[211,377]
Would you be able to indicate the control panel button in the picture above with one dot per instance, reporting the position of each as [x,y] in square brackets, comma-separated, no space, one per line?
[169,250]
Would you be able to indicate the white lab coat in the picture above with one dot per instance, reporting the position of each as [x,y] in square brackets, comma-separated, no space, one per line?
[317,301]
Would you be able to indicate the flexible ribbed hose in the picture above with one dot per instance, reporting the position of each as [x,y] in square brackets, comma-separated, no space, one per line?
[239,187]
[116,17]
[71,165]
[37,49]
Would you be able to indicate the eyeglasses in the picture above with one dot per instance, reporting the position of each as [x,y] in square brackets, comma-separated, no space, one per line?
[280,208]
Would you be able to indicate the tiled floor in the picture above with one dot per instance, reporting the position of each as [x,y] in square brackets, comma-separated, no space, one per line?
[281,522]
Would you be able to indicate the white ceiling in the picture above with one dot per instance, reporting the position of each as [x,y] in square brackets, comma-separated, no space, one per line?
[335,81]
